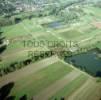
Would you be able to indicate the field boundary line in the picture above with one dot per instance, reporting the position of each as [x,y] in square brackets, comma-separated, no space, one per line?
[58,85]
[32,68]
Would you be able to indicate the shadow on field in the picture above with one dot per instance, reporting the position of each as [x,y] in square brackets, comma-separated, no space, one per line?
[98,74]
[5,91]
[2,49]
[23,97]
[2,45]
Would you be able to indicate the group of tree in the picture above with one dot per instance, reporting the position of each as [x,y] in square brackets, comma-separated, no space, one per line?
[8,20]
[69,16]
[98,4]
[6,7]
[18,65]
[2,45]
[6,90]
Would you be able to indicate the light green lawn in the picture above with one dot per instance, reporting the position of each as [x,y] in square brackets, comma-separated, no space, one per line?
[70,34]
[23,28]
[14,30]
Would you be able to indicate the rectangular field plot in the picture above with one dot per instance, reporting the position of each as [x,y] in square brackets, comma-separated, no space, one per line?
[95,11]
[25,27]
[70,34]
[48,37]
[36,82]
[46,19]
[14,30]
[70,88]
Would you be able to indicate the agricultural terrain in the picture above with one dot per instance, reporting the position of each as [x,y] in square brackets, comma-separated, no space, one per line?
[34,43]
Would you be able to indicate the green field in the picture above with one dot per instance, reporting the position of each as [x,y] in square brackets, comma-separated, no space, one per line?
[38,81]
[44,77]
[70,88]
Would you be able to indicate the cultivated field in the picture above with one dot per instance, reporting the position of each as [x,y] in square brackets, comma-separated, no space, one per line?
[51,78]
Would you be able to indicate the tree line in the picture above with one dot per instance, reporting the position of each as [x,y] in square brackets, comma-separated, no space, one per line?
[18,65]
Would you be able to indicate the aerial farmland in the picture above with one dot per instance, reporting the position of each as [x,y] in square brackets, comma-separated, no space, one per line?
[50,50]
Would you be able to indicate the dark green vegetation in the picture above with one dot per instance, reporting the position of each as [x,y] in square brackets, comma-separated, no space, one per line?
[5,90]
[2,44]
[20,64]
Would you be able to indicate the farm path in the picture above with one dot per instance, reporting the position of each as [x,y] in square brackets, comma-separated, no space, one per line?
[33,68]
[58,85]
